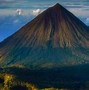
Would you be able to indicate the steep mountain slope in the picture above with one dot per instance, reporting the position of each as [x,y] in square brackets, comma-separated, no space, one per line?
[54,38]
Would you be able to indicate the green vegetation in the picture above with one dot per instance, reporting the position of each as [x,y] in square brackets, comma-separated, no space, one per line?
[9,82]
[65,78]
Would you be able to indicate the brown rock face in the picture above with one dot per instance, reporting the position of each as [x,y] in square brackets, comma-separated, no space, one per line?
[55,37]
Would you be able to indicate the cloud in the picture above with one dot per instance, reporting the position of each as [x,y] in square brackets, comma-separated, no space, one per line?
[80,12]
[36,12]
[87,21]
[19,11]
[16,21]
[6,1]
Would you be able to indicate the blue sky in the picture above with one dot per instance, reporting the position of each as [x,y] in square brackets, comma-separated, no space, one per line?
[16,13]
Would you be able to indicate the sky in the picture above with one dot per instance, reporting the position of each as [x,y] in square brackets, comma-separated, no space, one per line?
[16,13]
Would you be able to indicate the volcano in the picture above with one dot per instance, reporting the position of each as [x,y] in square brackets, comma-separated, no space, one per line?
[55,38]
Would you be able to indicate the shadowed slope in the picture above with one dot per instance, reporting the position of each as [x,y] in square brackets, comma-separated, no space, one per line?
[55,37]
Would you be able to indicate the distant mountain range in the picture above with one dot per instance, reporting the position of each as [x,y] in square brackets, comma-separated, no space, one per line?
[55,38]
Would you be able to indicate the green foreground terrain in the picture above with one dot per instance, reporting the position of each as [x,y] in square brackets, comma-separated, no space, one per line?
[64,78]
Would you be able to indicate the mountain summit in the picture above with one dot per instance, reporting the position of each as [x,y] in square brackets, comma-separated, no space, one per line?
[54,38]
